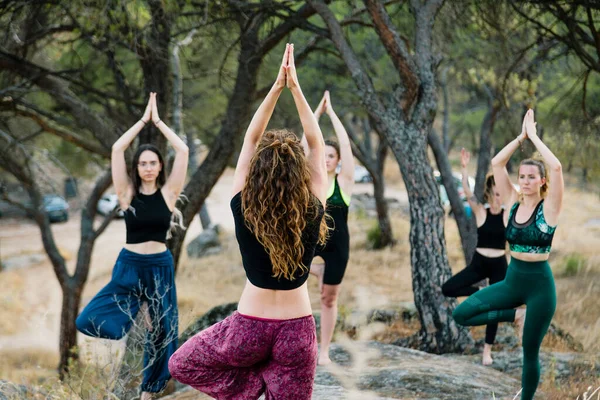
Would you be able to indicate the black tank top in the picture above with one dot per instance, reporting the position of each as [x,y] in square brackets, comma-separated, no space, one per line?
[337,207]
[491,235]
[148,218]
[255,258]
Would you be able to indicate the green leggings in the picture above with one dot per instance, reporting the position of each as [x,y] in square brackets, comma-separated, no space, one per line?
[528,283]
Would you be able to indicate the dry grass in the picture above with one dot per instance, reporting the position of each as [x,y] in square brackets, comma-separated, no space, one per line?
[206,282]
[11,302]
[27,366]
[384,275]
[582,384]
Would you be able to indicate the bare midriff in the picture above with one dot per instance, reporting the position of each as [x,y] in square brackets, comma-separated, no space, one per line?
[149,247]
[490,253]
[530,256]
[275,304]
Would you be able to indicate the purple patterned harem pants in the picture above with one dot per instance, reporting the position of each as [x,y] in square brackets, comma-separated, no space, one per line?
[243,357]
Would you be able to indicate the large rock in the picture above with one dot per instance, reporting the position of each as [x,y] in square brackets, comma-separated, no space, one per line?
[372,370]
[560,366]
[214,315]
[205,244]
[320,392]
[12,391]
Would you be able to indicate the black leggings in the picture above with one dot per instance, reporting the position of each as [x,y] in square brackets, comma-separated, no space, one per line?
[481,267]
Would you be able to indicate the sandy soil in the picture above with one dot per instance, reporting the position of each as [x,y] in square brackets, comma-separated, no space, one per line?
[20,240]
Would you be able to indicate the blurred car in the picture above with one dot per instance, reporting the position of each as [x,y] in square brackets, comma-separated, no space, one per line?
[457,181]
[362,175]
[107,204]
[56,208]
[461,193]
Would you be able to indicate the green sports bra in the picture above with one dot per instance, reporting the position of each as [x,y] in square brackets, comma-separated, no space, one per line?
[534,236]
[336,196]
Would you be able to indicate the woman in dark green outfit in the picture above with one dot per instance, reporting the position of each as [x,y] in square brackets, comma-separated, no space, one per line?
[530,227]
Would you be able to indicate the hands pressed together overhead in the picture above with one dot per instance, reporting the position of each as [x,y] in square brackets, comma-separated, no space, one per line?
[528,129]
[151,111]
[287,73]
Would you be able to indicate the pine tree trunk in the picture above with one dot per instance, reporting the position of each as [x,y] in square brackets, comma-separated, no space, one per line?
[439,333]
[68,331]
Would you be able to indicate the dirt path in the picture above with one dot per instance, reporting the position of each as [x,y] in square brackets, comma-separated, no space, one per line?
[41,300]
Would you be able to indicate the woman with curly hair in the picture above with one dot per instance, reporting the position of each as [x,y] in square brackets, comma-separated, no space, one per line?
[269,344]
[530,227]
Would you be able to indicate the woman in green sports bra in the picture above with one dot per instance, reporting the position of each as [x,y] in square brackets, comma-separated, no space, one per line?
[530,227]
[336,252]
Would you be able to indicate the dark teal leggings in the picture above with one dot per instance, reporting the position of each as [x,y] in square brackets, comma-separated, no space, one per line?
[529,283]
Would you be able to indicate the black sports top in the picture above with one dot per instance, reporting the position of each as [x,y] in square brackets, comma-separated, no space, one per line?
[533,236]
[337,208]
[491,235]
[255,258]
[148,218]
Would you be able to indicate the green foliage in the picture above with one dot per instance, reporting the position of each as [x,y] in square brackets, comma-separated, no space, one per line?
[374,237]
[573,264]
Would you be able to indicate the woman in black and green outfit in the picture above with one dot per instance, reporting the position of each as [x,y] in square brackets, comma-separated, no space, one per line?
[336,251]
[489,259]
[530,228]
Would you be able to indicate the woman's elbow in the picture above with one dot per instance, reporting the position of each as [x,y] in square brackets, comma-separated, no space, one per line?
[557,167]
[496,162]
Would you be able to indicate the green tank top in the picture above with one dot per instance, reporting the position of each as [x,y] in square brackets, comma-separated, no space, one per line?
[533,236]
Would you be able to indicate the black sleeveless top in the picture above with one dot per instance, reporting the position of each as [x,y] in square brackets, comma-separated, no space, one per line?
[491,235]
[337,209]
[255,258]
[148,218]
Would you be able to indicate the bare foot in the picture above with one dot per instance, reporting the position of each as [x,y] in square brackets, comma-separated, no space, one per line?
[487,355]
[520,322]
[147,396]
[324,360]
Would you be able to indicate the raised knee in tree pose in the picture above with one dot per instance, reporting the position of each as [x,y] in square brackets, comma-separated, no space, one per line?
[489,260]
[530,228]
[336,251]
[143,276]
[269,344]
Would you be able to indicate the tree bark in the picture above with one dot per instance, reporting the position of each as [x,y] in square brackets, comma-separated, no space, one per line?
[17,161]
[467,228]
[237,116]
[446,114]
[238,113]
[406,127]
[484,158]
[71,299]
[374,163]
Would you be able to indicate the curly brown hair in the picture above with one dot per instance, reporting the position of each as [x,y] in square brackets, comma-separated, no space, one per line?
[278,203]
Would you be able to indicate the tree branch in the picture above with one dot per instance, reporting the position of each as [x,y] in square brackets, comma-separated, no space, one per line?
[83,115]
[51,127]
[397,50]
[369,96]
